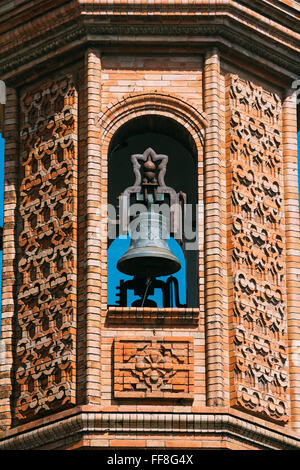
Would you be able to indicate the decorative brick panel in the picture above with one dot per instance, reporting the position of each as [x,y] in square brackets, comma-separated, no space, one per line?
[259,322]
[45,321]
[153,368]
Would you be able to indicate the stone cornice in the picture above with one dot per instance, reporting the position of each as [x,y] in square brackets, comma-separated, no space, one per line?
[224,35]
[22,11]
[232,22]
[286,13]
[255,15]
[271,19]
[40,49]
[274,7]
[139,423]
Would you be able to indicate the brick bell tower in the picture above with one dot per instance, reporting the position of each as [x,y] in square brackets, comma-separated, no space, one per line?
[98,94]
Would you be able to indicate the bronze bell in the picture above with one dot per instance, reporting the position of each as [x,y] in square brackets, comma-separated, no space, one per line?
[148,254]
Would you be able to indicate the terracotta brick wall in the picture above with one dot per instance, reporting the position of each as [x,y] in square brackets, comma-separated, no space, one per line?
[177,75]
[240,347]
[45,322]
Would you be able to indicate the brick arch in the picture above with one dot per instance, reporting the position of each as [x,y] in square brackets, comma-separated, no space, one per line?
[152,102]
[137,105]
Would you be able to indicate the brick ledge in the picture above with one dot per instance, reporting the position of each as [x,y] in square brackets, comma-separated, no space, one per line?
[135,316]
[139,424]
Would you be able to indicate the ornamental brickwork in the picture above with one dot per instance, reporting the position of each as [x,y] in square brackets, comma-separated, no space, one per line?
[45,347]
[259,319]
[153,368]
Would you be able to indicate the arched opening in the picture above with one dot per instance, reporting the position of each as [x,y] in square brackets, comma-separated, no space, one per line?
[166,137]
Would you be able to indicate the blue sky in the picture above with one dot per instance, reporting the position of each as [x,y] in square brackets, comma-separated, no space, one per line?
[117,249]
[115,255]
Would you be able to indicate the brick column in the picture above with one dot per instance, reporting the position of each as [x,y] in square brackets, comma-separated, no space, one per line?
[214,212]
[9,256]
[93,250]
[292,249]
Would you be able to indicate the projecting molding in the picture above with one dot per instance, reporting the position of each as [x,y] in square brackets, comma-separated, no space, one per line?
[115,425]
[274,44]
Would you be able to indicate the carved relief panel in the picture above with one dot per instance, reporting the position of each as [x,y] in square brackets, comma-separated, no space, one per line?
[45,321]
[153,368]
[259,360]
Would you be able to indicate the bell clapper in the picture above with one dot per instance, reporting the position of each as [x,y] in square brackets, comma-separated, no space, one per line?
[148,282]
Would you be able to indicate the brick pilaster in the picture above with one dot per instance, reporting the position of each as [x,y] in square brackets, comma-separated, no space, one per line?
[292,249]
[214,256]
[95,182]
[9,256]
